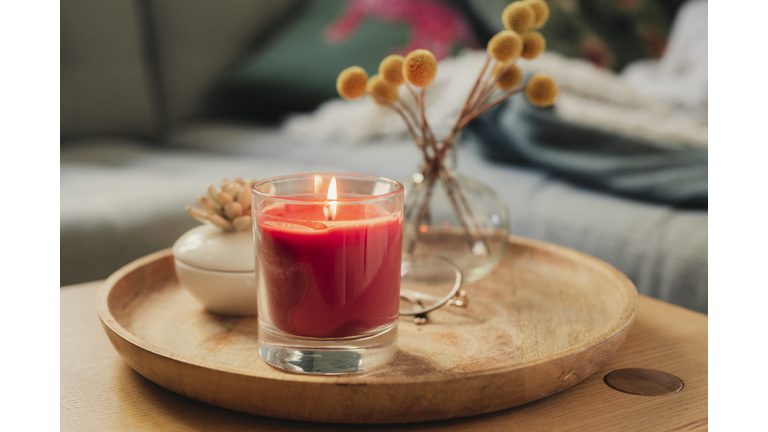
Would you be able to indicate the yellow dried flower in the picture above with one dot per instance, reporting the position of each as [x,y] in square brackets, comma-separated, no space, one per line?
[379,86]
[541,90]
[518,16]
[351,82]
[505,45]
[420,67]
[533,45]
[391,69]
[540,11]
[511,78]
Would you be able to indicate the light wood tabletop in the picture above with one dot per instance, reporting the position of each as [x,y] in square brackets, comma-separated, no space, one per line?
[99,391]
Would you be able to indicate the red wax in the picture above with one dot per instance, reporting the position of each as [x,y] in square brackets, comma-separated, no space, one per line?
[329,279]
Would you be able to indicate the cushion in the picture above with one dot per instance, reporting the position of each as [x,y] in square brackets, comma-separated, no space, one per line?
[106,84]
[297,70]
[197,40]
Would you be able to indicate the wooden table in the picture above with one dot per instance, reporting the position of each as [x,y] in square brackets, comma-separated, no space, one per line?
[100,392]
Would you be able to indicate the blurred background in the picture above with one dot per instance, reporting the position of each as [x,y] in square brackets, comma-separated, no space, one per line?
[161,97]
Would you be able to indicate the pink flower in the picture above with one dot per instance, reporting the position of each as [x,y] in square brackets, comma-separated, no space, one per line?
[434,26]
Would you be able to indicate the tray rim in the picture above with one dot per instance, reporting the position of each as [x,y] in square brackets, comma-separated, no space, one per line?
[108,321]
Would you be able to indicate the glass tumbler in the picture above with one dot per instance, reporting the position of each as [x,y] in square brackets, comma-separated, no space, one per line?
[328,251]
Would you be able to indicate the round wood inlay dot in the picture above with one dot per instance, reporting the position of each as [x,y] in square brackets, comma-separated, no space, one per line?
[643,382]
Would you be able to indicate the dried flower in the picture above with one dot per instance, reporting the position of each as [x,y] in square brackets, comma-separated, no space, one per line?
[391,69]
[540,11]
[505,80]
[351,82]
[227,208]
[380,87]
[533,45]
[505,45]
[420,67]
[518,16]
[541,90]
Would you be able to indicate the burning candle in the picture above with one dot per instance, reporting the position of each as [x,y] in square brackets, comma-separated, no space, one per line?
[328,256]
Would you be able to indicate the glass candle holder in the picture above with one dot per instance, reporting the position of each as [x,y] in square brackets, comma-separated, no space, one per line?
[328,259]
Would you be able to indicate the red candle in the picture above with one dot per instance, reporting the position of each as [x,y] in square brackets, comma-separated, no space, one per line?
[329,278]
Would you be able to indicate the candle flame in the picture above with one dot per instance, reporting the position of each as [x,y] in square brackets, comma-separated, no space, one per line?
[330,208]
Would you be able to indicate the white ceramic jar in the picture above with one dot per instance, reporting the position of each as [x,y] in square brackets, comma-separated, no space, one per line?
[218,269]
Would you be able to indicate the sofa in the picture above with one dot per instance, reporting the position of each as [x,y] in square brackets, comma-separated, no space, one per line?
[139,141]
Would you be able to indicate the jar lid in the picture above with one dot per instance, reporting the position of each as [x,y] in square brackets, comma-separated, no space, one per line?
[210,248]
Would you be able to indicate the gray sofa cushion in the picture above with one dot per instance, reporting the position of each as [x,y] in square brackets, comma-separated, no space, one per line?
[105,79]
[117,78]
[197,40]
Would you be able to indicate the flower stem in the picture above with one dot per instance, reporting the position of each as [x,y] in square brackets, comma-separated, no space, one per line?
[449,184]
[449,179]
[423,210]
[471,95]
[400,112]
[477,111]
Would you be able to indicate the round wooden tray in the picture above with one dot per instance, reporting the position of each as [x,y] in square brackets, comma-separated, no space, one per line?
[544,320]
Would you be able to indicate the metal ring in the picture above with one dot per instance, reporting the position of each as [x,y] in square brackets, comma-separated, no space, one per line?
[415,296]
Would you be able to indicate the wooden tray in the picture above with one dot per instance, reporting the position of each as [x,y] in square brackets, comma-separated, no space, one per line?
[544,320]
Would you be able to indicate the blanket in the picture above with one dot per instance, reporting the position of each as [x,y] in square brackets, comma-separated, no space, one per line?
[666,173]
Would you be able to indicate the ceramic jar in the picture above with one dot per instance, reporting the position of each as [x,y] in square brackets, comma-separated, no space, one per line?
[218,269]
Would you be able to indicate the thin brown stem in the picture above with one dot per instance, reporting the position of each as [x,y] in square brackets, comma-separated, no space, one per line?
[413,196]
[429,136]
[463,200]
[409,111]
[467,103]
[445,144]
[420,108]
[400,112]
[474,88]
[490,87]
[413,94]
[448,185]
[418,140]
[423,210]
[506,68]
[471,116]
[485,82]
[445,147]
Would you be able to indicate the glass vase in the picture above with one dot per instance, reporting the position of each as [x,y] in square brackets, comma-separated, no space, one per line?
[454,216]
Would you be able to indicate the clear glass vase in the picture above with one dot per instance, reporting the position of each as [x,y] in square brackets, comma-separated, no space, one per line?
[454,216]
